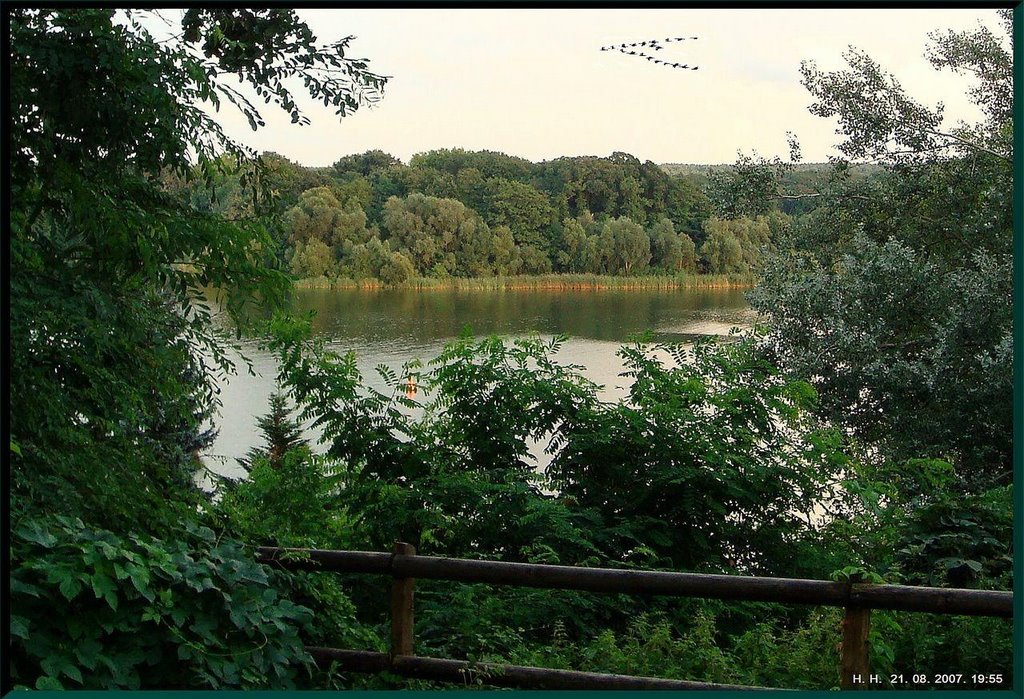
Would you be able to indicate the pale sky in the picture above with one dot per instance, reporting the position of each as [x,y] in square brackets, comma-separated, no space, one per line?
[533,82]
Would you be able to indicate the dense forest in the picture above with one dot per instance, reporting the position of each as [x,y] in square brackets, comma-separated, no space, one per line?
[865,431]
[457,213]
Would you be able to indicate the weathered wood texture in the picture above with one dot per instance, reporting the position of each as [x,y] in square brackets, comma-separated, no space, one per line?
[402,607]
[404,566]
[853,668]
[331,561]
[492,674]
[731,587]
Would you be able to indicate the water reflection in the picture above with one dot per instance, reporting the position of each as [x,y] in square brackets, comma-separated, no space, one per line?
[422,318]
[392,327]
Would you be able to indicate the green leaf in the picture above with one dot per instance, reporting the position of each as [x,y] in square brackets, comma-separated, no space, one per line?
[34,533]
[19,626]
[73,672]
[20,587]
[140,580]
[70,587]
[102,585]
[46,682]
[111,599]
[88,652]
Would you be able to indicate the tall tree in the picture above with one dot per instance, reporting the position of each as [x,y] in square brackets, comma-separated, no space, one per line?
[111,337]
[896,293]
[441,236]
[671,251]
[525,210]
[627,243]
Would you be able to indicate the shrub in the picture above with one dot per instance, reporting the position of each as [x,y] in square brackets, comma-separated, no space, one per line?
[95,610]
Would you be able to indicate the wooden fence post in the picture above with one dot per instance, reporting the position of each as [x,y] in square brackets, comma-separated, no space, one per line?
[854,664]
[402,607]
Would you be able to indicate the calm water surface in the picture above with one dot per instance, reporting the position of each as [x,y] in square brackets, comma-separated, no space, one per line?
[392,327]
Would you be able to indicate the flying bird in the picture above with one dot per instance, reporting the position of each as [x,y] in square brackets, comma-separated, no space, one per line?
[653,44]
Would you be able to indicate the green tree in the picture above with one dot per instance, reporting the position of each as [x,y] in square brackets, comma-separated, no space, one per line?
[108,324]
[687,254]
[506,255]
[723,253]
[474,191]
[397,270]
[365,164]
[698,464]
[113,347]
[687,204]
[896,295]
[572,256]
[631,200]
[753,235]
[281,434]
[319,215]
[671,251]
[524,209]
[362,261]
[285,181]
[354,193]
[490,164]
[627,245]
[312,259]
[533,260]
[439,234]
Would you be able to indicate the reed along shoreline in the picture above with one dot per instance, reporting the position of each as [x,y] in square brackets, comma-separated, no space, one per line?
[546,282]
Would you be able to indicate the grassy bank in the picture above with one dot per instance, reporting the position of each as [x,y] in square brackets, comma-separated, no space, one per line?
[555,282]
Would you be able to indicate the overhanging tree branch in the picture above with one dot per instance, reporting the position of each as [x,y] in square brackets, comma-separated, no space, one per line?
[970,144]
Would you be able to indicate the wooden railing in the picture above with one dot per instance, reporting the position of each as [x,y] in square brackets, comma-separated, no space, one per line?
[404,566]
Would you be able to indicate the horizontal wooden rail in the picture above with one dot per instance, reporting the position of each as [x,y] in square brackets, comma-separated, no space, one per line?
[728,587]
[404,567]
[494,674]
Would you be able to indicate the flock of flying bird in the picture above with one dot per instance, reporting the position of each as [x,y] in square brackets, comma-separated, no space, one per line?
[654,45]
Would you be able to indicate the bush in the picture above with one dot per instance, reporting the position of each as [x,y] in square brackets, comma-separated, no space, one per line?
[95,610]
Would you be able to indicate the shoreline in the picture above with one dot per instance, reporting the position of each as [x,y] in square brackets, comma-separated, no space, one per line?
[545,282]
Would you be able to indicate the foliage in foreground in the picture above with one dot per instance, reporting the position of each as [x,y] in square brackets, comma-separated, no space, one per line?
[895,296]
[113,352]
[146,613]
[112,345]
[482,497]
[210,614]
[738,443]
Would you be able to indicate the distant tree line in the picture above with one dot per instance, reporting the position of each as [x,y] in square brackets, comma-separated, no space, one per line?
[458,213]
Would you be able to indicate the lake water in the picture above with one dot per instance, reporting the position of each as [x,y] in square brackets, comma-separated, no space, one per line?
[392,327]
